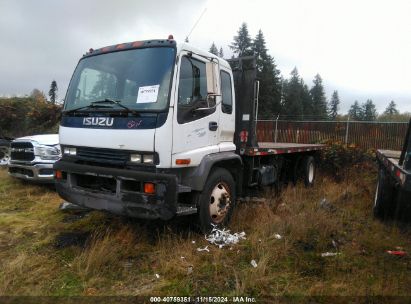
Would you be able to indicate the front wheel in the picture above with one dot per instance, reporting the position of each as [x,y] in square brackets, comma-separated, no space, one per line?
[217,200]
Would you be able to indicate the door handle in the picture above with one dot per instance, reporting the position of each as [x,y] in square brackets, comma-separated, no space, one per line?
[212,125]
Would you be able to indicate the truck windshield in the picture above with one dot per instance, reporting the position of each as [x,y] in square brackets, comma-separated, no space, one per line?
[138,79]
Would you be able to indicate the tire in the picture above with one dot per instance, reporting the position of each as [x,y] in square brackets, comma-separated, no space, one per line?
[217,200]
[309,171]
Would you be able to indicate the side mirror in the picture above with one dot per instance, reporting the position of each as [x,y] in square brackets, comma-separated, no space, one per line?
[212,85]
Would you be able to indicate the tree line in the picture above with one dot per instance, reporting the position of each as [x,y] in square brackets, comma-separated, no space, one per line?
[291,98]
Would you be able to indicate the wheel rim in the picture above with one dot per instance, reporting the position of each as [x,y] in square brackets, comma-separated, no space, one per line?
[220,200]
[311,172]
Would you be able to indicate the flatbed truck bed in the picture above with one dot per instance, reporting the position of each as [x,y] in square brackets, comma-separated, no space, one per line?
[393,192]
[270,148]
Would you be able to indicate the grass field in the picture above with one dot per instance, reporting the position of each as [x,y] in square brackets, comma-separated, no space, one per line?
[44,251]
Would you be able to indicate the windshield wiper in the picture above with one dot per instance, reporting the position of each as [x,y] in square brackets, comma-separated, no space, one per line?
[90,106]
[116,102]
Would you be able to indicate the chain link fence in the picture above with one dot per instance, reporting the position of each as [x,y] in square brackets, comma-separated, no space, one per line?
[365,134]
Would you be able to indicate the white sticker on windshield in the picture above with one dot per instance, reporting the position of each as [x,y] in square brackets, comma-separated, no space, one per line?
[148,94]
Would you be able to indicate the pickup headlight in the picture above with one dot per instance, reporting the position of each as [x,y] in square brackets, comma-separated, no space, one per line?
[148,159]
[142,158]
[70,151]
[47,152]
[135,158]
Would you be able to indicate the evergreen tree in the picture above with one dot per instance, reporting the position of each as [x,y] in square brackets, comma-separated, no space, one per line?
[53,92]
[221,53]
[334,106]
[292,96]
[267,73]
[242,42]
[369,111]
[318,98]
[307,102]
[355,112]
[213,49]
[391,109]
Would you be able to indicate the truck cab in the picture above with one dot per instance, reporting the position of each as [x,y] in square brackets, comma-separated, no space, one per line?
[142,126]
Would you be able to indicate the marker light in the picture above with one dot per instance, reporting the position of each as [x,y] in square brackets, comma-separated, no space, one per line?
[170,37]
[185,161]
[149,188]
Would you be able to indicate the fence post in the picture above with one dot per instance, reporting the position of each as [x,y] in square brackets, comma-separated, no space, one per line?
[346,130]
[276,130]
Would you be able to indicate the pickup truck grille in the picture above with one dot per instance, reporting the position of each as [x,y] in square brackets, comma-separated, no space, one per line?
[21,151]
[103,155]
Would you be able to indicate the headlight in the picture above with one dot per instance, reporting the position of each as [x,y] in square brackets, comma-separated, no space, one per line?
[135,158]
[148,159]
[70,151]
[47,152]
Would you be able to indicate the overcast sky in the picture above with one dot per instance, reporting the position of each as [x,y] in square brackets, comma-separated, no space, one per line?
[360,48]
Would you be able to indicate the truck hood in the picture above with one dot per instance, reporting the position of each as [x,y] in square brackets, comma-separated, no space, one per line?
[46,139]
[137,139]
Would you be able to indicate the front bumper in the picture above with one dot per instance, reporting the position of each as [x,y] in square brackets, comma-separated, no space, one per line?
[109,189]
[32,172]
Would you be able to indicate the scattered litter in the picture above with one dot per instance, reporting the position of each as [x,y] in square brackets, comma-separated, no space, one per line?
[259,240]
[326,205]
[157,276]
[334,244]
[397,252]
[399,248]
[182,258]
[223,237]
[253,263]
[66,206]
[330,254]
[203,249]
[193,242]
[277,236]
[190,269]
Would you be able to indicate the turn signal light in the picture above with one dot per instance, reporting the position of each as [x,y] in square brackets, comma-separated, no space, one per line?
[184,161]
[58,174]
[149,188]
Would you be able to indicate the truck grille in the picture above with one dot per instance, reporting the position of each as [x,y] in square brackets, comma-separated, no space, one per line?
[103,155]
[21,151]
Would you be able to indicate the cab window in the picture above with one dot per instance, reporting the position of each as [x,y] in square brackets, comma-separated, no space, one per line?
[192,92]
[226,92]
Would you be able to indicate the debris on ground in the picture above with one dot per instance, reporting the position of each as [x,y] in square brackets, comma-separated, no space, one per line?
[277,236]
[203,249]
[66,206]
[193,242]
[157,276]
[253,263]
[330,254]
[190,270]
[223,237]
[397,252]
[327,206]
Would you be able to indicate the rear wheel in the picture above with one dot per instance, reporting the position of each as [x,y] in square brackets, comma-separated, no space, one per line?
[309,170]
[216,202]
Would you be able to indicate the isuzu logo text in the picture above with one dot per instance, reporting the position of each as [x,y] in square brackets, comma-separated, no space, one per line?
[98,121]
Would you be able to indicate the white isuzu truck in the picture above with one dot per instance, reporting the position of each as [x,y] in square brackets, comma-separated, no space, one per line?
[154,129]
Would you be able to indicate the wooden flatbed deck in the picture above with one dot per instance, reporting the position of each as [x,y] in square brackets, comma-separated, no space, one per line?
[268,148]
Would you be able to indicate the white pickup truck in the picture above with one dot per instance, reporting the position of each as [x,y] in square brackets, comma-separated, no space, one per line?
[32,157]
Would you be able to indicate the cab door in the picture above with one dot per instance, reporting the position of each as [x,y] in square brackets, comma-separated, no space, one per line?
[196,113]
